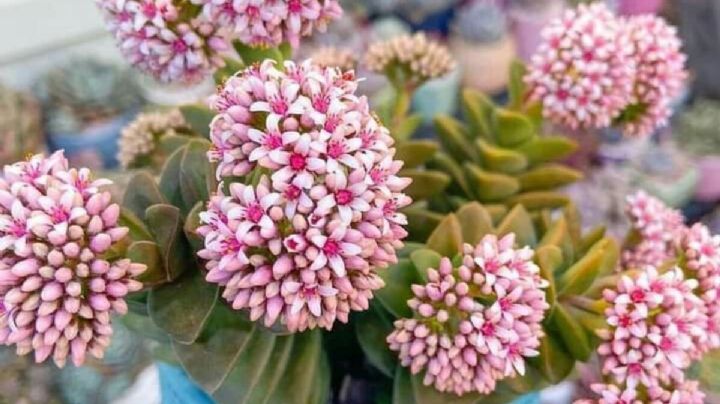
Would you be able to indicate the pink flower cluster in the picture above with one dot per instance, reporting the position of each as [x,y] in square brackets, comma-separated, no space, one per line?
[271,22]
[474,325]
[687,392]
[594,70]
[164,39]
[301,245]
[58,286]
[656,227]
[656,322]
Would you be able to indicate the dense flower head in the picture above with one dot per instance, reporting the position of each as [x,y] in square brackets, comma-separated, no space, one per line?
[58,284]
[686,392]
[139,139]
[655,323]
[476,324]
[582,72]
[659,75]
[330,56]
[414,57]
[301,245]
[657,226]
[163,39]
[271,22]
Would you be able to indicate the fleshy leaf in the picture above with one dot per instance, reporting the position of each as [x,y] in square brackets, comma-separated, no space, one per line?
[170,179]
[423,259]
[372,329]
[549,258]
[553,363]
[169,143]
[540,200]
[198,116]
[443,162]
[148,253]
[501,159]
[183,307]
[416,152]
[518,221]
[137,230]
[142,192]
[197,179]
[165,223]
[453,136]
[547,149]
[250,54]
[491,187]
[475,222]
[580,276]
[516,86]
[549,176]
[572,333]
[421,222]
[480,113]
[514,128]
[447,239]
[192,222]
[407,127]
[398,279]
[425,183]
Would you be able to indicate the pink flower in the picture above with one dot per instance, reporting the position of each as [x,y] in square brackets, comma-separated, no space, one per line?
[461,343]
[659,77]
[159,38]
[57,288]
[583,73]
[301,246]
[269,23]
[654,321]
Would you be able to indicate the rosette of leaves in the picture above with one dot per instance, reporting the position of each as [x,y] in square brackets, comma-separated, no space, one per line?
[577,267]
[229,356]
[496,156]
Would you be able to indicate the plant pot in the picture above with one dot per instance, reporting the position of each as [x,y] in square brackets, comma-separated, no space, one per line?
[634,7]
[438,96]
[485,67]
[527,23]
[95,145]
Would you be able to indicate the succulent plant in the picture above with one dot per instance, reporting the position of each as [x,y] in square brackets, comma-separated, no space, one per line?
[497,158]
[575,265]
[480,22]
[20,125]
[86,91]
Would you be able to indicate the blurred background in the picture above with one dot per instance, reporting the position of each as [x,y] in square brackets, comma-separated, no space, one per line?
[64,85]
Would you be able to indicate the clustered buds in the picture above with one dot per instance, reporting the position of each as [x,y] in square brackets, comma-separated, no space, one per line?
[138,140]
[301,245]
[476,324]
[329,56]
[655,323]
[657,227]
[165,38]
[595,69]
[270,23]
[414,59]
[59,282]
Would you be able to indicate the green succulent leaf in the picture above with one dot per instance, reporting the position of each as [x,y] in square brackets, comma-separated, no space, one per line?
[491,187]
[170,180]
[554,363]
[518,221]
[425,183]
[475,222]
[581,275]
[169,143]
[142,192]
[183,307]
[573,335]
[558,235]
[415,153]
[592,237]
[479,111]
[447,238]
[137,230]
[165,223]
[514,128]
[421,222]
[546,149]
[197,178]
[198,116]
[192,222]
[372,329]
[251,55]
[549,258]
[549,176]
[537,200]
[398,279]
[407,127]
[454,138]
[501,159]
[423,259]
[148,253]
[516,86]
[445,163]
[231,67]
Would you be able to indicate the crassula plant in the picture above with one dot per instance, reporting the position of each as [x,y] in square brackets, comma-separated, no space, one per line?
[269,256]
